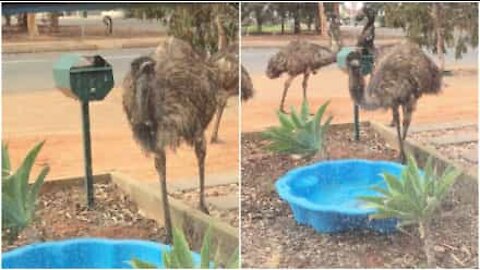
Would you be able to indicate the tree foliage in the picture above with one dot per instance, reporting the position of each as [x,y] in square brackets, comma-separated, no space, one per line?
[458,24]
[198,24]
[290,16]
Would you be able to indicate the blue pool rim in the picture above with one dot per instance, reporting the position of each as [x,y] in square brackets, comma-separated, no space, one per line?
[299,202]
[10,258]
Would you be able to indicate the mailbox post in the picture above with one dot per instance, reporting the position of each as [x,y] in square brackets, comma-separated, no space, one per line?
[84,78]
[366,68]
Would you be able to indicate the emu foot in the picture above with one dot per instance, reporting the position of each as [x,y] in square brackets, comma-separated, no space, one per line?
[204,208]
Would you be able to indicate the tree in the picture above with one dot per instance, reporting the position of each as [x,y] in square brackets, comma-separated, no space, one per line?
[282,12]
[322,19]
[53,17]
[8,20]
[436,26]
[22,21]
[296,18]
[205,26]
[32,25]
[259,11]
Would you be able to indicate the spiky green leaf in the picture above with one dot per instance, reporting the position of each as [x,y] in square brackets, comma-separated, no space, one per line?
[140,264]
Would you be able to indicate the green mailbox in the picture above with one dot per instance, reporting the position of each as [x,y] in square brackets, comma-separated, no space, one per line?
[86,78]
[367,60]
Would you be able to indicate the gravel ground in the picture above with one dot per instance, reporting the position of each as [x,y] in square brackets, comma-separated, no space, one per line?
[62,214]
[191,197]
[454,152]
[271,238]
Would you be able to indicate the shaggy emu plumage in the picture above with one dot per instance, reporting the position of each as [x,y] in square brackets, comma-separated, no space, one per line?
[170,98]
[302,57]
[226,63]
[400,77]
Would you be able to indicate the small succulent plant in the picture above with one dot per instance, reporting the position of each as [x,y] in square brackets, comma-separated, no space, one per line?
[180,256]
[413,198]
[299,133]
[19,198]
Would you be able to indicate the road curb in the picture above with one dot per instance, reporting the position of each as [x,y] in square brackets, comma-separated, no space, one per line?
[13,48]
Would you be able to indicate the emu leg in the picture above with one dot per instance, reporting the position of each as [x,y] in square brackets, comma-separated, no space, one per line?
[160,165]
[304,85]
[287,85]
[220,109]
[407,118]
[396,118]
[200,152]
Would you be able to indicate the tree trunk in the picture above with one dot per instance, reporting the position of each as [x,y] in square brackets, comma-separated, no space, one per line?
[32,25]
[322,20]
[296,20]
[222,37]
[54,22]
[437,25]
[309,23]
[259,24]
[283,25]
[425,235]
[22,21]
[8,20]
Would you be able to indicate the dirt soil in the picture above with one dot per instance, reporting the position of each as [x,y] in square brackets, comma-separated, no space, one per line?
[30,117]
[458,100]
[271,238]
[62,214]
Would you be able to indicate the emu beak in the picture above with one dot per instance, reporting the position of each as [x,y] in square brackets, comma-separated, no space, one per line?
[355,63]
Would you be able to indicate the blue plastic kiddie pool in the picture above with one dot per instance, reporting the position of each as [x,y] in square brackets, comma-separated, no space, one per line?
[324,195]
[86,253]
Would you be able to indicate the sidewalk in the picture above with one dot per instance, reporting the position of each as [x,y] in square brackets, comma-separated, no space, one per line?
[145,42]
[77,44]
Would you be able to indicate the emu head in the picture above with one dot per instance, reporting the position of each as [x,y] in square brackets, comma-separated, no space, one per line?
[354,61]
[137,98]
[367,12]
[356,82]
[139,84]
[276,65]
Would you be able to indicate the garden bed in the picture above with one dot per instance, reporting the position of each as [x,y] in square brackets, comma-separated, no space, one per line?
[62,214]
[271,238]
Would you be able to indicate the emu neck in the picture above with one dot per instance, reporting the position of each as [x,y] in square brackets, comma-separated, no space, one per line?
[356,86]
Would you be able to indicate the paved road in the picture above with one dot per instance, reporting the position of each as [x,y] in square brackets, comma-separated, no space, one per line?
[256,59]
[26,72]
[33,71]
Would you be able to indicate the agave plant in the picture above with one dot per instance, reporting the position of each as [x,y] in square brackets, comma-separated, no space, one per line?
[19,198]
[413,198]
[180,256]
[299,134]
